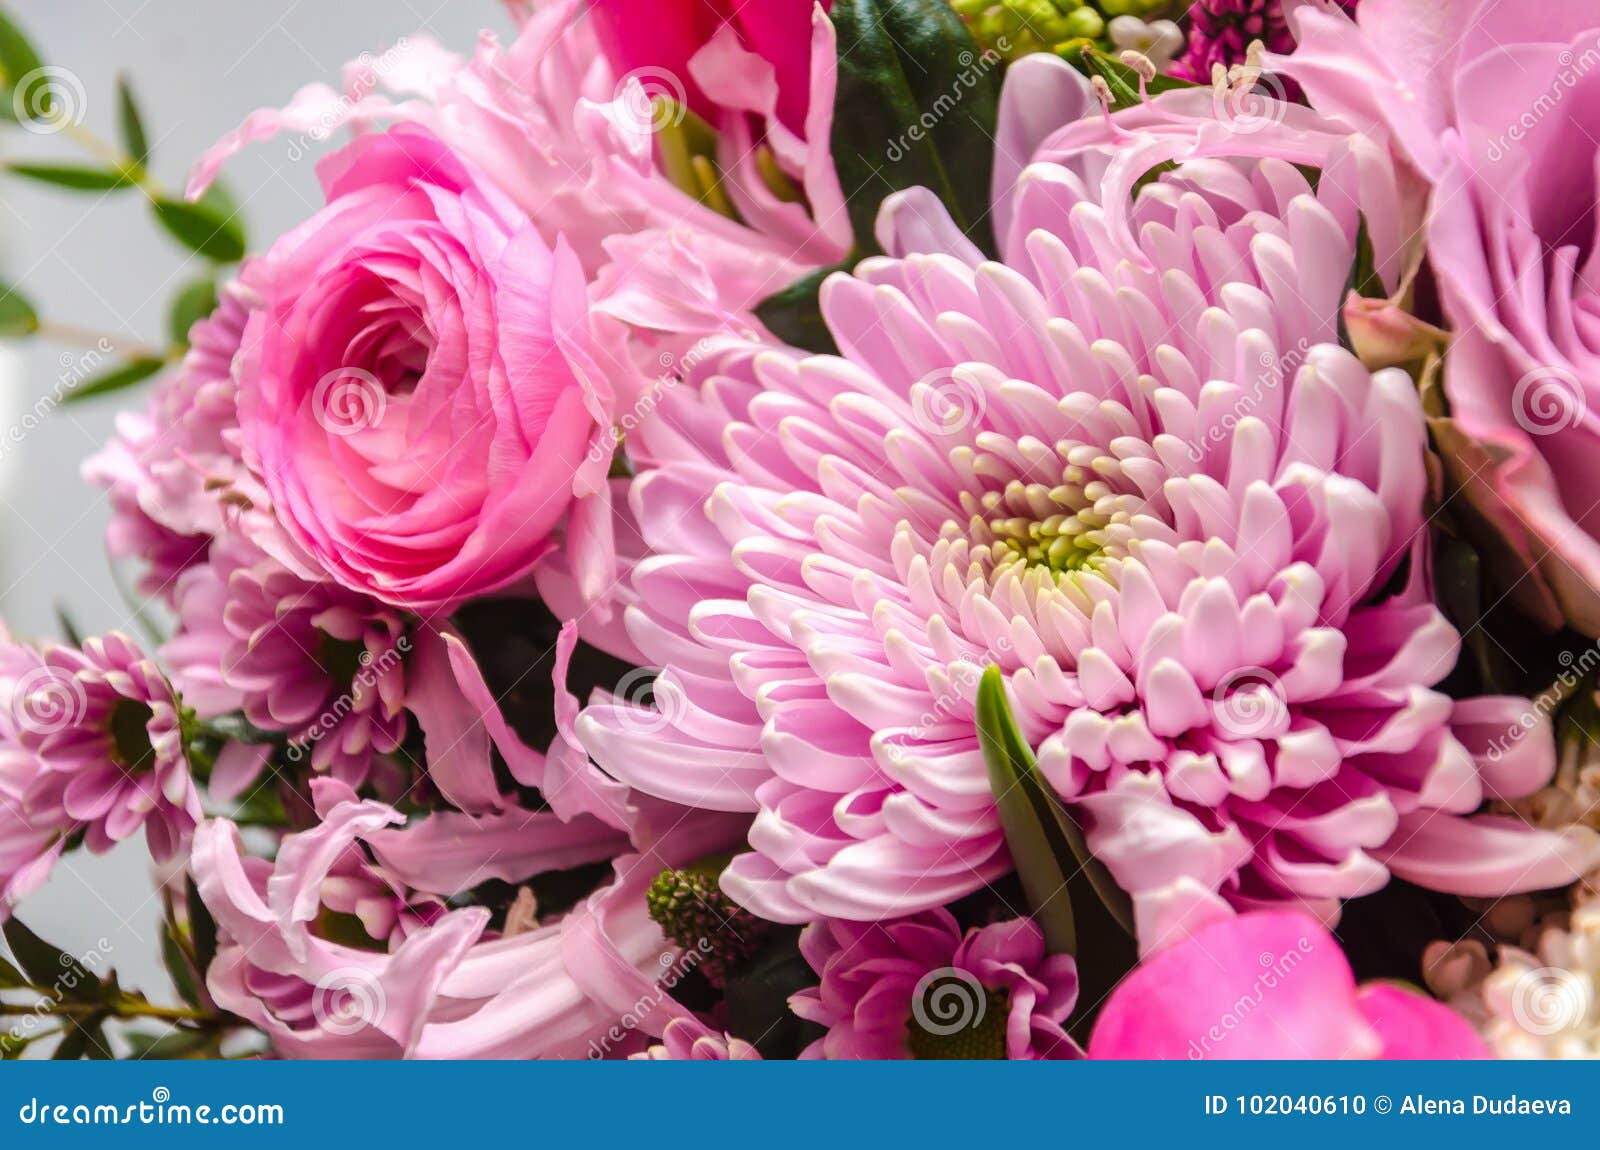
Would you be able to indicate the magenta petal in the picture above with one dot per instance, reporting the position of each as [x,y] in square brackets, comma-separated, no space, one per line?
[1412,1026]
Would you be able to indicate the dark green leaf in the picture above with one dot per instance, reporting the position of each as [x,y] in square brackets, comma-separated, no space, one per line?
[923,102]
[758,999]
[77,177]
[19,61]
[209,226]
[125,374]
[69,629]
[794,314]
[202,929]
[47,966]
[196,300]
[85,1039]
[17,316]
[1046,845]
[10,977]
[178,966]
[135,140]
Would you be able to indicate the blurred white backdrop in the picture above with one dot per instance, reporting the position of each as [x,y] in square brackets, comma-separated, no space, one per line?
[99,262]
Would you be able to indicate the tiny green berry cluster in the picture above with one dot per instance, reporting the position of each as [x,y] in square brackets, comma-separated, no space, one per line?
[691,909]
[1015,28]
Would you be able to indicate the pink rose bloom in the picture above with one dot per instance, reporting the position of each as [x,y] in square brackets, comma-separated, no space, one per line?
[1270,985]
[920,988]
[649,34]
[415,390]
[1497,106]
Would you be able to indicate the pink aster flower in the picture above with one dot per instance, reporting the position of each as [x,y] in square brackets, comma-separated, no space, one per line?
[1129,464]
[919,988]
[103,726]
[1220,31]
[1497,108]
[1270,986]
[416,392]
[323,664]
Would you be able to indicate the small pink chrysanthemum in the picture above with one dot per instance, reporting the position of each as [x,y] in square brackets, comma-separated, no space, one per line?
[104,726]
[321,663]
[1128,463]
[1221,31]
[918,988]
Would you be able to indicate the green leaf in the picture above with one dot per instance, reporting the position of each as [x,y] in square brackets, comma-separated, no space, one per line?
[18,59]
[194,301]
[76,177]
[85,1039]
[209,226]
[1046,845]
[10,977]
[47,966]
[69,630]
[202,928]
[125,374]
[178,966]
[173,1044]
[135,140]
[17,316]
[923,101]
[794,314]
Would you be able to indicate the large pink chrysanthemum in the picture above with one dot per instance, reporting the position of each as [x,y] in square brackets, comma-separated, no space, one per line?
[1131,465]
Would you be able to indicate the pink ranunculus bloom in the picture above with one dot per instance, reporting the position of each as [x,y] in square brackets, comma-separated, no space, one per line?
[921,988]
[103,728]
[650,35]
[1130,464]
[416,392]
[1270,985]
[1497,107]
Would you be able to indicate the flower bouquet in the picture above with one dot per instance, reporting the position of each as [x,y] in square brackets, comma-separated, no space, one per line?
[874,529]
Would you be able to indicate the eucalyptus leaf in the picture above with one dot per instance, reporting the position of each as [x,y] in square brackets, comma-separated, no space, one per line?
[17,317]
[75,177]
[19,60]
[125,374]
[194,301]
[923,102]
[209,226]
[48,966]
[130,124]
